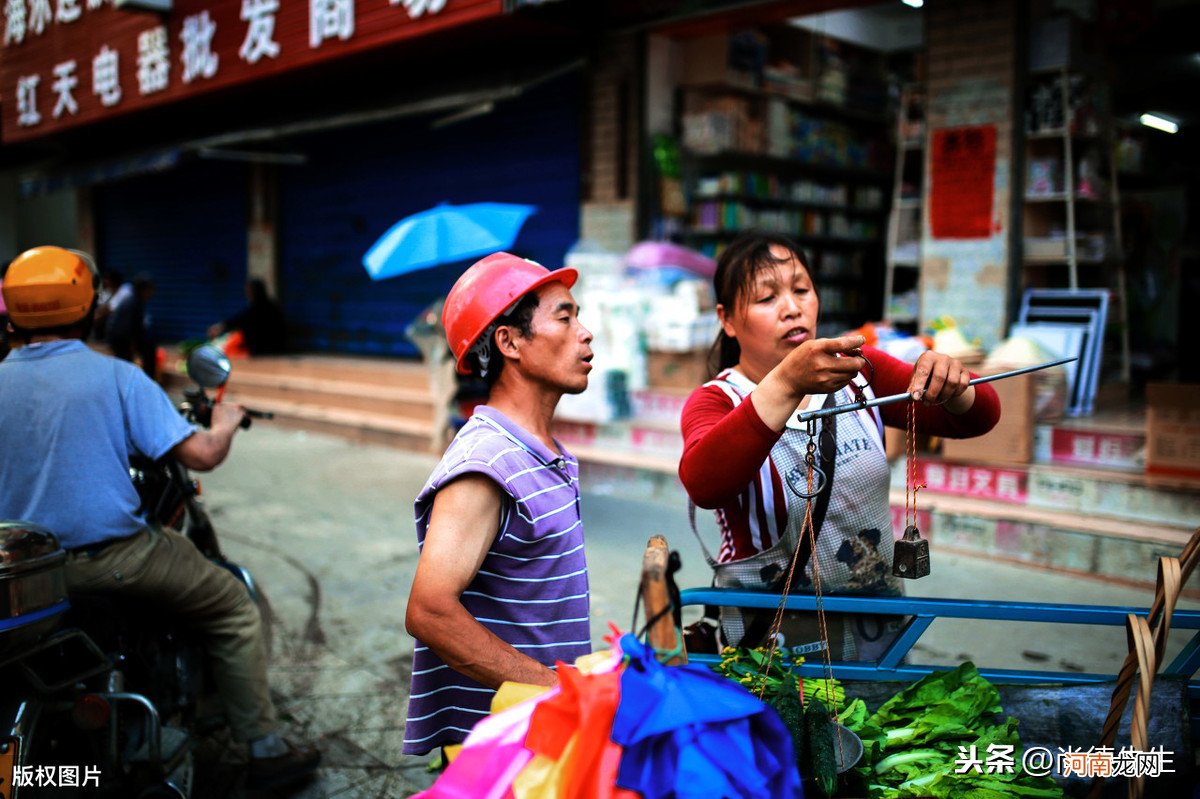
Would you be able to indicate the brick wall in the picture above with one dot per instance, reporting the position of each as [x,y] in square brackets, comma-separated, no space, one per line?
[971,48]
[611,140]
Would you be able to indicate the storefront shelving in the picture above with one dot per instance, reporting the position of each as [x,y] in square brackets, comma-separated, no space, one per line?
[901,292]
[1071,202]
[815,171]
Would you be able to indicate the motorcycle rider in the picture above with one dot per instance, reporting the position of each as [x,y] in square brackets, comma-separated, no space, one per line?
[70,418]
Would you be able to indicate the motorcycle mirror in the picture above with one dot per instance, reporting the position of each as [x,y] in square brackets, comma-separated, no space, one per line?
[208,366]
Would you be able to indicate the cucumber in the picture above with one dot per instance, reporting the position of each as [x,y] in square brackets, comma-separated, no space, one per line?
[822,759]
[791,713]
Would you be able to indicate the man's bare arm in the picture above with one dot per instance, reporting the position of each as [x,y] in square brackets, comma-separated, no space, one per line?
[206,449]
[462,527]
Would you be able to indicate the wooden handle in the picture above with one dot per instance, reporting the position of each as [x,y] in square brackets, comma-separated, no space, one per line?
[1172,574]
[1141,645]
[657,600]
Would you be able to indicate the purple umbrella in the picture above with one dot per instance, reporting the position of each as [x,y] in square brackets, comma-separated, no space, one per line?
[660,254]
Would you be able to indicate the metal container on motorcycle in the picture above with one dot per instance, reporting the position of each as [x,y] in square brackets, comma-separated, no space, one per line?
[33,584]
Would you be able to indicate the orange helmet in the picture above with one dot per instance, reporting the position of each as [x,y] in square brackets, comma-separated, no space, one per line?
[485,291]
[49,287]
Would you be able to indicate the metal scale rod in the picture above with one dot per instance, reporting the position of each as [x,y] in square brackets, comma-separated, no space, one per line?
[821,413]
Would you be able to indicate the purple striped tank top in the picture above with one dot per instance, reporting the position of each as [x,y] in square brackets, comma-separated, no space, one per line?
[532,589]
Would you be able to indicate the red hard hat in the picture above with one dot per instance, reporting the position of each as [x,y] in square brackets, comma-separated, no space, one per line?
[485,291]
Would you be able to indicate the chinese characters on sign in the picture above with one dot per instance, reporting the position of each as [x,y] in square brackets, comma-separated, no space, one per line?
[962,179]
[981,482]
[67,62]
[153,68]
[199,61]
[330,19]
[260,30]
[106,68]
[419,8]
[1088,448]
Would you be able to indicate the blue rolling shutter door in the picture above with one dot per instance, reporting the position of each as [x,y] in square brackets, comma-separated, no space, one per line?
[358,182]
[187,229]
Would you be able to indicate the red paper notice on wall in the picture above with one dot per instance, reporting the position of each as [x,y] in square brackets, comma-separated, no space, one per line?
[963,178]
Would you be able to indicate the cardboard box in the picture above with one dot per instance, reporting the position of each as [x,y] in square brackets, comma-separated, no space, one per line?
[895,444]
[677,370]
[1010,442]
[1173,429]
[706,60]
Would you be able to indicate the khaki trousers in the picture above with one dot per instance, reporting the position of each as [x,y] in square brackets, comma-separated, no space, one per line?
[166,570]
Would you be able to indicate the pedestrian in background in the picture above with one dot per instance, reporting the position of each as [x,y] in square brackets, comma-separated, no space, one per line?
[501,588]
[128,325]
[261,322]
[112,291]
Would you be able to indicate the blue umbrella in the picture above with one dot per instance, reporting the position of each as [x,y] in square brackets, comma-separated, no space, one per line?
[444,234]
[689,733]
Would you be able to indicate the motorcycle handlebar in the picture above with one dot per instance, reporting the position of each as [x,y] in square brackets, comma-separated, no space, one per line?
[199,409]
[253,414]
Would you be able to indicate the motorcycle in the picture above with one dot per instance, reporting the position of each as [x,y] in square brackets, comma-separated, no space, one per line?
[101,692]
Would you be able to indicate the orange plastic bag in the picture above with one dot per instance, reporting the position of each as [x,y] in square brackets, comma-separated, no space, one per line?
[572,730]
[235,345]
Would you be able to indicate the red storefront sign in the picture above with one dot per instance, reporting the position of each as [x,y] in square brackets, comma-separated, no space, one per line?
[1094,448]
[980,482]
[963,177]
[71,62]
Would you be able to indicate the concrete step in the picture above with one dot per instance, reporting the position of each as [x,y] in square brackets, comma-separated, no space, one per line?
[1081,546]
[1134,499]
[389,429]
[1050,518]
[1006,520]
[409,403]
[358,370]
[363,399]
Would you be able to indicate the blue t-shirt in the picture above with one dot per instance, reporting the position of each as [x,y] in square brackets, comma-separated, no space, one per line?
[69,420]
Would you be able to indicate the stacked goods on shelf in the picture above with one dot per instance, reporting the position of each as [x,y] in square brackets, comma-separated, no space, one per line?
[784,131]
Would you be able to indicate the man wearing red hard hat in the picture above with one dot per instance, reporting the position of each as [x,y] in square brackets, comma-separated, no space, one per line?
[501,590]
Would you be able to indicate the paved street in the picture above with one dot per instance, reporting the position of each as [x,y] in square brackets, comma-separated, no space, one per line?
[326,527]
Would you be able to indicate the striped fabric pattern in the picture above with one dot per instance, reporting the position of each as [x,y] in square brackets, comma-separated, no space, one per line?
[532,589]
[849,559]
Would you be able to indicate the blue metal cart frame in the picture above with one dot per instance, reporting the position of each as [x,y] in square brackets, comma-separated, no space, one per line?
[923,612]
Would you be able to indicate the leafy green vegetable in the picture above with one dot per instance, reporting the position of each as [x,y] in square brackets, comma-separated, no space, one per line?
[941,705]
[801,705]
[912,745]
[914,742]
[907,758]
[854,714]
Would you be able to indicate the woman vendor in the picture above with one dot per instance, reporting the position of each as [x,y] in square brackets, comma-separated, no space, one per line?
[744,450]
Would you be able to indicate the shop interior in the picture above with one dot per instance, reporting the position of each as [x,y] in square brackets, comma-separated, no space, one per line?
[816,126]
